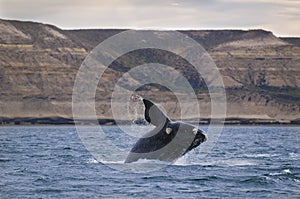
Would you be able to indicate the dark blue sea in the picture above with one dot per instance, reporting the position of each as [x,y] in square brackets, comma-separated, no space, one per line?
[246,162]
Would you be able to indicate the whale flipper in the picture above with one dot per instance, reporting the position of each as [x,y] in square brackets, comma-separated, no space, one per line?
[153,114]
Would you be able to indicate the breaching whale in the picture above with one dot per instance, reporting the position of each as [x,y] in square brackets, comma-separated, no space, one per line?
[168,141]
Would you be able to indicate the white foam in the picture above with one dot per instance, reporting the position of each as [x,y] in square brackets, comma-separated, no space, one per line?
[182,161]
[294,156]
[112,162]
[236,162]
[260,155]
[287,171]
[92,161]
[186,161]
[275,174]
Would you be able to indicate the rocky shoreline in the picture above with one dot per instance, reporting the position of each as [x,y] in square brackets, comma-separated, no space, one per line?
[108,121]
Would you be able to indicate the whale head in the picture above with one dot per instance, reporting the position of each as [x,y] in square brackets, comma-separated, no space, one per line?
[200,137]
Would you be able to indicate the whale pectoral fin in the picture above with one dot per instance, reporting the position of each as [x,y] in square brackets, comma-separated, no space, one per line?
[153,114]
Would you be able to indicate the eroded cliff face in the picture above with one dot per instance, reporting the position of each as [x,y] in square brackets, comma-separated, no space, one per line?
[38,66]
[39,62]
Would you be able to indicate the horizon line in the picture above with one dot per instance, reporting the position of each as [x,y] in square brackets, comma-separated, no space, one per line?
[147,28]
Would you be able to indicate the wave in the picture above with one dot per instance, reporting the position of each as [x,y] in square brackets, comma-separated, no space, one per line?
[285,175]
[186,161]
[294,156]
[283,172]
[92,161]
[140,161]
[260,155]
[5,159]
[258,180]
[183,161]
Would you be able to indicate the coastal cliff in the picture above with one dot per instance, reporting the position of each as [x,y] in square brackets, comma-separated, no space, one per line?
[39,63]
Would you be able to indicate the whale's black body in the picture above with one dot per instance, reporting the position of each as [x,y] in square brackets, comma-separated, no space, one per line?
[168,141]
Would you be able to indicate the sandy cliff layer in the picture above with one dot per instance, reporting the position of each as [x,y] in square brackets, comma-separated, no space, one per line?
[38,65]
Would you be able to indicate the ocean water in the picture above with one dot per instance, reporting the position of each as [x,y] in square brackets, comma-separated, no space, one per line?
[246,162]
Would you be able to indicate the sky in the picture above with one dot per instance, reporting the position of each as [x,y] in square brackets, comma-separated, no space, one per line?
[282,17]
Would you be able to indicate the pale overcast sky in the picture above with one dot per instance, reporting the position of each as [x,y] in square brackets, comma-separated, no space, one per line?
[282,17]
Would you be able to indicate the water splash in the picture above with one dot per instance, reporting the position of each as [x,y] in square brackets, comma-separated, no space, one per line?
[137,110]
